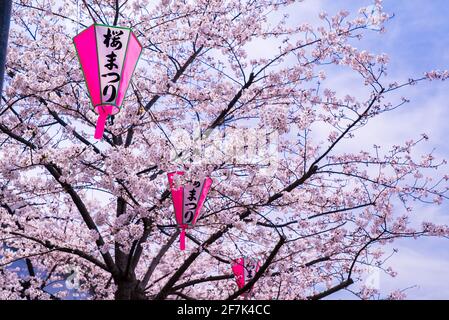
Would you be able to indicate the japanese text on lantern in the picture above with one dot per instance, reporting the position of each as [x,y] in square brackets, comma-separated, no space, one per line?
[191,195]
[250,269]
[112,44]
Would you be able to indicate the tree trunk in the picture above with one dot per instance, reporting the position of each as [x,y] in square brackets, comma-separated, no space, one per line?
[128,289]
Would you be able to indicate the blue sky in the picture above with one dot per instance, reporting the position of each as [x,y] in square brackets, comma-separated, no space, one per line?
[417,40]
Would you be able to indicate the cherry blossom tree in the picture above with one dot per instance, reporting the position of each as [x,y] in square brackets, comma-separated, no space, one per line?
[203,101]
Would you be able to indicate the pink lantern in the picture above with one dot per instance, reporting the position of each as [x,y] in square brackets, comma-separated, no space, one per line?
[188,201]
[244,270]
[108,56]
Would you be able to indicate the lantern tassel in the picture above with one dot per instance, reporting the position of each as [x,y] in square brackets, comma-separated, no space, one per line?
[103,113]
[182,239]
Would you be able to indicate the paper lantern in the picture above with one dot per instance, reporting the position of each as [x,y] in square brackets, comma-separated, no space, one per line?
[244,270]
[187,202]
[108,56]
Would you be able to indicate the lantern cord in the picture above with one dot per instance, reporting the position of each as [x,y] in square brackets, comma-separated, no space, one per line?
[99,129]
[103,113]
[182,239]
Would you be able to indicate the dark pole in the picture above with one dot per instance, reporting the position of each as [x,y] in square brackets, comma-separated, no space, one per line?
[5,18]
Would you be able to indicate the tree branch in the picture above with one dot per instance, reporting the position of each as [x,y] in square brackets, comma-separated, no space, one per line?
[85,215]
[117,11]
[196,281]
[332,290]
[157,259]
[47,244]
